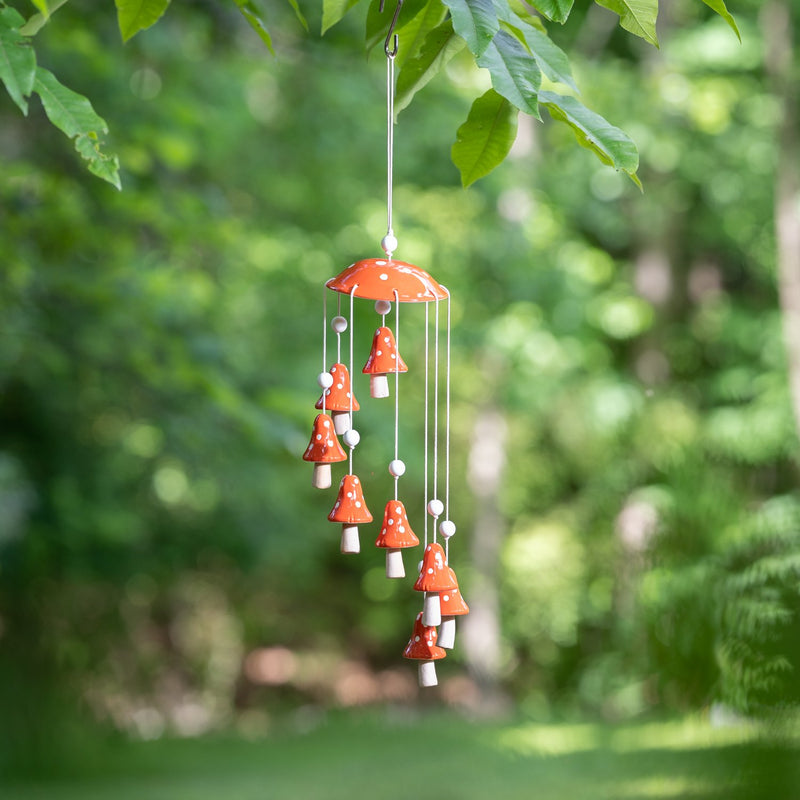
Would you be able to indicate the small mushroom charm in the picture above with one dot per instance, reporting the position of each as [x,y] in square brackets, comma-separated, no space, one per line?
[337,398]
[395,534]
[434,577]
[350,509]
[383,359]
[323,449]
[452,606]
[422,647]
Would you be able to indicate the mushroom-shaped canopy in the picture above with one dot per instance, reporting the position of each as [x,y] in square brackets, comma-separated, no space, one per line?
[451,601]
[384,357]
[396,533]
[337,397]
[324,447]
[422,644]
[434,575]
[350,507]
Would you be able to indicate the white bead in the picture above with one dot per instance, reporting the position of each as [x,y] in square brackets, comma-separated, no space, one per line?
[352,437]
[339,324]
[435,507]
[382,307]
[397,468]
[389,243]
[325,380]
[447,529]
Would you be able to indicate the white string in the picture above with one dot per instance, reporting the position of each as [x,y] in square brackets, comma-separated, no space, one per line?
[324,339]
[396,385]
[338,335]
[447,431]
[352,388]
[436,410]
[426,425]
[389,143]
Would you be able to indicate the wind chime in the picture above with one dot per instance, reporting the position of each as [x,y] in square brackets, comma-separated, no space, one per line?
[389,283]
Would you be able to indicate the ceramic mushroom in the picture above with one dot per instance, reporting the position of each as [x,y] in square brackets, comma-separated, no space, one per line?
[422,647]
[383,359]
[323,449]
[350,509]
[452,606]
[395,534]
[434,577]
[337,398]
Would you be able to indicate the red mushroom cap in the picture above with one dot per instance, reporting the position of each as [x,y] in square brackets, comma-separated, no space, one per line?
[383,357]
[350,507]
[337,398]
[422,644]
[451,601]
[396,533]
[324,447]
[434,575]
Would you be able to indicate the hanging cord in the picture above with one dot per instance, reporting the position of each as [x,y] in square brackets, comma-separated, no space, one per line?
[396,386]
[338,335]
[436,411]
[389,242]
[426,426]
[447,432]
[352,387]
[324,340]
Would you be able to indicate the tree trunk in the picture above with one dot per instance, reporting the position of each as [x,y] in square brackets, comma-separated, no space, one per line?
[777,25]
[482,635]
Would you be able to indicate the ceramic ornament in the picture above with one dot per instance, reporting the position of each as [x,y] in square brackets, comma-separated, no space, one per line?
[422,647]
[390,283]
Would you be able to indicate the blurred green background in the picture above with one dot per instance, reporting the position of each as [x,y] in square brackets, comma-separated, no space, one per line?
[625,453]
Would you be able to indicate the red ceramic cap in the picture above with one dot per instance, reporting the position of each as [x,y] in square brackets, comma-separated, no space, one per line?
[350,507]
[324,447]
[379,278]
[384,358]
[434,575]
[422,644]
[395,532]
[451,601]
[337,398]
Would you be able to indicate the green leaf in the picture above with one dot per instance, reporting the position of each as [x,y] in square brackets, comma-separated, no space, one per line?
[73,114]
[636,16]
[42,7]
[721,9]
[378,23]
[440,45]
[412,36]
[514,72]
[252,13]
[475,21]
[611,145]
[38,21]
[299,13]
[333,11]
[556,10]
[484,140]
[136,15]
[552,60]
[17,59]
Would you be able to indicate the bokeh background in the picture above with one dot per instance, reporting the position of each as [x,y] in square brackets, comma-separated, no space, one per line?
[625,453]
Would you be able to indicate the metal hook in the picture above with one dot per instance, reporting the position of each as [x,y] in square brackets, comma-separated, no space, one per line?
[391,52]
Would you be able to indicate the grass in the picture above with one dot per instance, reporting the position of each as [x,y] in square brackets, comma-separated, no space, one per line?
[388,757]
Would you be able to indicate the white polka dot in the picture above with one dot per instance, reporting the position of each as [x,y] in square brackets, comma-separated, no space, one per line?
[401,529]
[333,369]
[319,436]
[339,386]
[383,276]
[348,394]
[355,480]
[430,570]
[327,423]
[398,510]
[358,505]
[350,495]
[416,638]
[391,522]
[393,355]
[445,597]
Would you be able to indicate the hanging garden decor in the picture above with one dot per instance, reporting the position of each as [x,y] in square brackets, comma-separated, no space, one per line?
[390,283]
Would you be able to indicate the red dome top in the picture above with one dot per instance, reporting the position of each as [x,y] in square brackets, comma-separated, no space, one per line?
[379,278]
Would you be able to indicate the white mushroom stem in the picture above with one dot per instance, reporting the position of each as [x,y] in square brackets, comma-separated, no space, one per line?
[321,477]
[427,673]
[378,386]
[341,421]
[447,633]
[394,564]
[350,543]
[431,610]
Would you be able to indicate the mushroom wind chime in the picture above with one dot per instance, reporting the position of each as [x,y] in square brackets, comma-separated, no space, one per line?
[391,283]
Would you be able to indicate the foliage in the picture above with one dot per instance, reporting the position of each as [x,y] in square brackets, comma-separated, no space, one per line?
[502,36]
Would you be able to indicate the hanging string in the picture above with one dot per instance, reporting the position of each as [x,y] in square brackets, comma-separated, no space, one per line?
[426,424]
[324,340]
[390,242]
[396,386]
[436,410]
[447,431]
[352,388]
